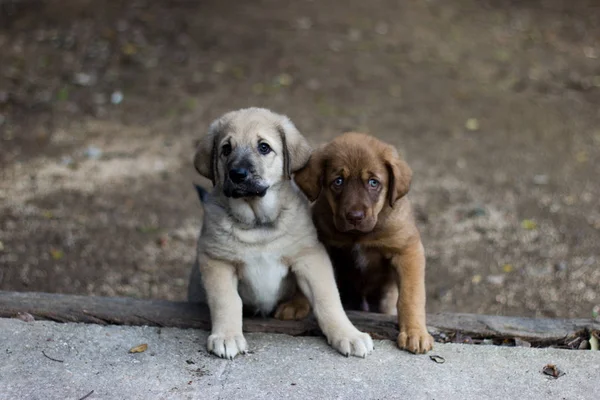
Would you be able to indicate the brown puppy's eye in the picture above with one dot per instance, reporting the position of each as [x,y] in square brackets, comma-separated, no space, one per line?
[374,183]
[338,182]
[226,149]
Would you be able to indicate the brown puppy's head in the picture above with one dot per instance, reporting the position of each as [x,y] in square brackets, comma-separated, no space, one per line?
[359,175]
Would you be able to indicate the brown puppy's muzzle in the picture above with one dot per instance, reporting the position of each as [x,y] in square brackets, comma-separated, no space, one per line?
[354,213]
[354,221]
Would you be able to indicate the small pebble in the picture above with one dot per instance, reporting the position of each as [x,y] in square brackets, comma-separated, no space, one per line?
[116,97]
[495,279]
[66,160]
[26,317]
[522,343]
[93,153]
[304,23]
[560,266]
[83,79]
[541,179]
[381,28]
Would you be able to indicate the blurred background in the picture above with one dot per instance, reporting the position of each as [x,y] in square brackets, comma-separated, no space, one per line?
[494,103]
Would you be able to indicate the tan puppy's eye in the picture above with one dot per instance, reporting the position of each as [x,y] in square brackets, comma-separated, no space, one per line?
[337,182]
[374,183]
[264,148]
[226,149]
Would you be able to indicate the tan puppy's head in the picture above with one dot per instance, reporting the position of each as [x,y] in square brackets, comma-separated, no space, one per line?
[359,175]
[248,151]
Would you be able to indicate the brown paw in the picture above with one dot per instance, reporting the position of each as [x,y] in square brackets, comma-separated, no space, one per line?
[417,341]
[294,309]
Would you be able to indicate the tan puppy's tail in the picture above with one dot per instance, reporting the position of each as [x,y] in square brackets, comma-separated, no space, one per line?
[202,193]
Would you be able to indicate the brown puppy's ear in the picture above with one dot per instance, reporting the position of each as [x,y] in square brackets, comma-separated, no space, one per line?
[296,150]
[400,175]
[310,177]
[207,153]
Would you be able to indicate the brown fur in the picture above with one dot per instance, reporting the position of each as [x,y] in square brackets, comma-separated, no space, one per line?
[369,230]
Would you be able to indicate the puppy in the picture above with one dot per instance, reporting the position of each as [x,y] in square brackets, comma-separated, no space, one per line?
[366,222]
[258,243]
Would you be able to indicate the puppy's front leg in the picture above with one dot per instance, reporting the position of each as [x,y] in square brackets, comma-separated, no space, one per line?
[410,267]
[314,273]
[220,282]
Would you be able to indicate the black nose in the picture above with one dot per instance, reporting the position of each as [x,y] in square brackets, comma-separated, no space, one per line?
[238,175]
[354,217]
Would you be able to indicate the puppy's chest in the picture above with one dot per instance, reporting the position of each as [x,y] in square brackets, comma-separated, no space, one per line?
[364,259]
[264,280]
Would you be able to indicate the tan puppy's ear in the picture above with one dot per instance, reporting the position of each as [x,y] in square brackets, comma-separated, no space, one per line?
[296,150]
[400,175]
[207,154]
[309,179]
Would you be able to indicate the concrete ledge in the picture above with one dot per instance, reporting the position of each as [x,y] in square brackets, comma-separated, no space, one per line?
[445,327]
[88,357]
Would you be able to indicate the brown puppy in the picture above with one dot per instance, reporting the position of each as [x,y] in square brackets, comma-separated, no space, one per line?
[366,222]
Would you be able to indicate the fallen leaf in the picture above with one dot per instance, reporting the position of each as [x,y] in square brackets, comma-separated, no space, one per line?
[395,90]
[594,342]
[47,214]
[219,67]
[476,279]
[129,49]
[56,254]
[147,229]
[139,349]
[569,200]
[553,371]
[507,268]
[472,124]
[584,345]
[284,79]
[528,224]
[581,157]
[437,359]
[258,88]
[63,94]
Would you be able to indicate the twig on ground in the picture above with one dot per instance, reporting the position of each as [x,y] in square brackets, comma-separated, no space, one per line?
[87,395]
[50,358]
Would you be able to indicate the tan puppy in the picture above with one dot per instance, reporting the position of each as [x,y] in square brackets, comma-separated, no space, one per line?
[366,222]
[258,242]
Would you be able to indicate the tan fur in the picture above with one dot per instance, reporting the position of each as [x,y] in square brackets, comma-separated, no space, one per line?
[381,257]
[256,251]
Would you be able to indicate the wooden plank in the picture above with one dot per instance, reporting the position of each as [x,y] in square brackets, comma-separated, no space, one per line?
[129,311]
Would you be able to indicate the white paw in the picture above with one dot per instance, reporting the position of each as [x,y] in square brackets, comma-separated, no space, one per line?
[352,343]
[227,345]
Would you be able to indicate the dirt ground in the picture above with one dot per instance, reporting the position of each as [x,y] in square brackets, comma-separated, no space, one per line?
[495,104]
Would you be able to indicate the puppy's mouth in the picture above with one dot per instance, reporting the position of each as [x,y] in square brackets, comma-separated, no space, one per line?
[244,190]
[344,226]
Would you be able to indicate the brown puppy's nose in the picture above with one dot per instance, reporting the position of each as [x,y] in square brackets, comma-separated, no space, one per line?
[355,216]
